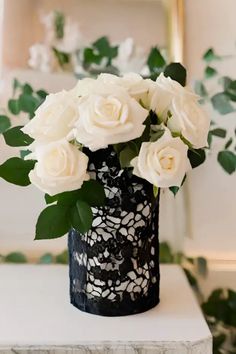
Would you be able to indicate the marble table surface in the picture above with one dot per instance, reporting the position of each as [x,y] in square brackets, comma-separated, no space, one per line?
[36,317]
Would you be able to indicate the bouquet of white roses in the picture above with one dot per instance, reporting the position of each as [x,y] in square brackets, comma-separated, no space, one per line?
[157,128]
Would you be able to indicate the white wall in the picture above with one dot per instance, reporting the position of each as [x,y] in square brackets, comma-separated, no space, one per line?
[211,192]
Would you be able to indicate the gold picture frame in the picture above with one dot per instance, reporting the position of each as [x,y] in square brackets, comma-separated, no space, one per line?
[175,13]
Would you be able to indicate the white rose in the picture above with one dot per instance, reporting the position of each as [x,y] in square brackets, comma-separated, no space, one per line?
[54,119]
[178,107]
[108,115]
[163,163]
[189,119]
[134,84]
[60,167]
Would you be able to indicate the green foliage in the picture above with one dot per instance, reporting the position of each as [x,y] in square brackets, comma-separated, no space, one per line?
[227,159]
[62,58]
[105,50]
[59,23]
[81,216]
[210,72]
[196,157]
[155,61]
[62,258]
[221,103]
[210,56]
[177,72]
[15,257]
[15,137]
[52,222]
[47,258]
[200,89]
[221,305]
[16,171]
[100,50]
[4,123]
[219,132]
[14,106]
[129,152]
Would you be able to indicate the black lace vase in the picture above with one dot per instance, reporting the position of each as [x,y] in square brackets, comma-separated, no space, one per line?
[114,268]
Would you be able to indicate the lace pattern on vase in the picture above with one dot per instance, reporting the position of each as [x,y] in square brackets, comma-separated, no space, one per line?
[114,268]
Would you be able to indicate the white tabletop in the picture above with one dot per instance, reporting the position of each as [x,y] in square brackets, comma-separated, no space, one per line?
[36,315]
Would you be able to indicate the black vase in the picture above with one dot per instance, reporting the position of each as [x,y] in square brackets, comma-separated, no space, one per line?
[114,268]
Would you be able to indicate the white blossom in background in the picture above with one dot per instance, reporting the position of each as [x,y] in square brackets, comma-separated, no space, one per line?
[130,57]
[72,39]
[40,57]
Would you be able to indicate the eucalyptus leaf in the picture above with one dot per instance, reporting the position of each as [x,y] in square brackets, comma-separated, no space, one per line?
[4,123]
[15,257]
[229,143]
[47,258]
[221,103]
[210,56]
[28,103]
[227,160]
[210,72]
[14,106]
[200,89]
[219,132]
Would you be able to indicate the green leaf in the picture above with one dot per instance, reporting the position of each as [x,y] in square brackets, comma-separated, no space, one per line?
[89,57]
[225,81]
[196,157]
[52,222]
[42,94]
[166,255]
[15,137]
[59,23]
[221,103]
[81,217]
[200,89]
[174,190]
[231,90]
[232,299]
[92,192]
[28,103]
[229,143]
[63,258]
[176,72]
[219,132]
[16,85]
[227,160]
[63,58]
[155,60]
[210,55]
[15,257]
[127,154]
[47,258]
[157,135]
[210,72]
[218,341]
[104,48]
[27,89]
[202,266]
[24,153]
[15,170]
[4,123]
[14,106]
